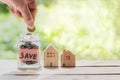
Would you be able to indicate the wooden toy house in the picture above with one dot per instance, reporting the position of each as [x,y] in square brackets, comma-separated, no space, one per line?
[67,59]
[51,56]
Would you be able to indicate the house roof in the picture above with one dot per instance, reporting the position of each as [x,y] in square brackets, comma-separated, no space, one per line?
[67,52]
[51,46]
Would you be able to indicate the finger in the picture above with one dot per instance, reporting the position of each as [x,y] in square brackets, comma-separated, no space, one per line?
[33,12]
[32,5]
[27,16]
[18,14]
[12,10]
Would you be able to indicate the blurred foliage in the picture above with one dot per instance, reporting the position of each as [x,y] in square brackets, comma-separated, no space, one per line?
[3,8]
[47,3]
[88,28]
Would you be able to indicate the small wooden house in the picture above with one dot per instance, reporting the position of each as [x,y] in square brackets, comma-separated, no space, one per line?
[50,56]
[67,59]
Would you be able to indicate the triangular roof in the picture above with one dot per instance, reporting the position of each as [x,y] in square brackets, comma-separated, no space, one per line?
[50,46]
[67,51]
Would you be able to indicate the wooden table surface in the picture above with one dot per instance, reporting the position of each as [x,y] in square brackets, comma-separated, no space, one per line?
[84,70]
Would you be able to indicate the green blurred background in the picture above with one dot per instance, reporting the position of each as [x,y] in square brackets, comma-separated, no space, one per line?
[88,28]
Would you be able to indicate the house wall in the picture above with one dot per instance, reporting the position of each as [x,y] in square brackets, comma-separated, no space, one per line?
[70,62]
[53,58]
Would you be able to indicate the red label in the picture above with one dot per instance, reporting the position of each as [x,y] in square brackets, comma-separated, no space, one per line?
[29,54]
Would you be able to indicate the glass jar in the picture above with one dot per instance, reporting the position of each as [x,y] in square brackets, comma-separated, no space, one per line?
[29,52]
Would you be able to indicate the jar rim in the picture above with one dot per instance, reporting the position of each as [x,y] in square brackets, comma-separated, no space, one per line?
[29,37]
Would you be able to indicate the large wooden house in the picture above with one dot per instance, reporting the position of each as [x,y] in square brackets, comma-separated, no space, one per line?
[51,56]
[67,59]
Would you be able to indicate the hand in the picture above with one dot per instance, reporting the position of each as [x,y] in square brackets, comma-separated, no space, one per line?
[25,9]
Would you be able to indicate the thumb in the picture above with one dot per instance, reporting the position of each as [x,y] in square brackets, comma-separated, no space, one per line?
[27,16]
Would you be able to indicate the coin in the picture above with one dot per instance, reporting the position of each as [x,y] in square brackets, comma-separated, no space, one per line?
[30,62]
[31,30]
